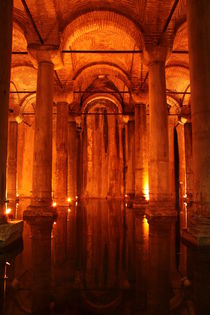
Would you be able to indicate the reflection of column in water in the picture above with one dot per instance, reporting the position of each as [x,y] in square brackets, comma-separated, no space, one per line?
[60,236]
[159,266]
[2,284]
[142,238]
[200,264]
[41,265]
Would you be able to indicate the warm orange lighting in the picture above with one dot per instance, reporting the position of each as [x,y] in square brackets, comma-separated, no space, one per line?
[145,228]
[54,223]
[76,203]
[126,205]
[126,196]
[146,188]
[8,210]
[69,210]
[69,199]
[54,204]
[76,197]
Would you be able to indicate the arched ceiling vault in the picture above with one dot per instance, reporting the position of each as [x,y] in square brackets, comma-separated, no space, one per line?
[100,25]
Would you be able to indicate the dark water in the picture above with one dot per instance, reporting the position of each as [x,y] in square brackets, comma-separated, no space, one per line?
[102,257]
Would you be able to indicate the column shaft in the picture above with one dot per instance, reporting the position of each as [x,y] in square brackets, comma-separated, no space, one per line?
[72,159]
[42,164]
[5,62]
[12,161]
[130,174]
[140,150]
[158,159]
[199,47]
[188,158]
[61,153]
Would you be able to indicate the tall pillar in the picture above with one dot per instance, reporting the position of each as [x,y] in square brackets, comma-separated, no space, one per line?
[12,161]
[188,157]
[42,162]
[72,158]
[199,47]
[6,8]
[140,152]
[171,125]
[61,153]
[41,202]
[159,195]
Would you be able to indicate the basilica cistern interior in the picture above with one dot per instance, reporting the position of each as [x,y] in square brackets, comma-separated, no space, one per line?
[105,157]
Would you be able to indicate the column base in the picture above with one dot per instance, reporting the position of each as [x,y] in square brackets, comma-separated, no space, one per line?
[10,232]
[161,209]
[139,202]
[36,214]
[198,232]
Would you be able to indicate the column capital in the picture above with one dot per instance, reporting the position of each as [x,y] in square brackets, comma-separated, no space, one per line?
[155,54]
[45,53]
[140,97]
[63,96]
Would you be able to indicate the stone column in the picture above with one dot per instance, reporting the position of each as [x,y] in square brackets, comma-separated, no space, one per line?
[140,152]
[130,171]
[61,153]
[188,158]
[42,163]
[12,161]
[199,46]
[72,158]
[171,124]
[159,195]
[6,7]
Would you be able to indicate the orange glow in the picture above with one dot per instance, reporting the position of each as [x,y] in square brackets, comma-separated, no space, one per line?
[69,210]
[146,228]
[76,203]
[146,191]
[69,199]
[54,204]
[146,187]
[8,210]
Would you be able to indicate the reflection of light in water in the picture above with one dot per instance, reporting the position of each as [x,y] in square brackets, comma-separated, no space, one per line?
[146,228]
[76,203]
[185,214]
[146,189]
[69,210]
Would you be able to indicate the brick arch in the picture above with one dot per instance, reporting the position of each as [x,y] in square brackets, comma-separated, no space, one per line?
[180,41]
[94,69]
[93,98]
[97,20]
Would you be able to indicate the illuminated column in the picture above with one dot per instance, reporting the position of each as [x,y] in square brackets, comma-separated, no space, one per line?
[140,152]
[130,161]
[42,162]
[188,157]
[12,161]
[5,62]
[159,194]
[72,158]
[199,43]
[171,125]
[61,153]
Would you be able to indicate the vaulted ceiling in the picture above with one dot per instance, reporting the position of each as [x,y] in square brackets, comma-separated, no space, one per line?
[104,25]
